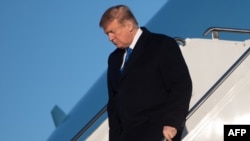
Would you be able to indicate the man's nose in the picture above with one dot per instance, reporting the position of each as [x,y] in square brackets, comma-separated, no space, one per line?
[111,37]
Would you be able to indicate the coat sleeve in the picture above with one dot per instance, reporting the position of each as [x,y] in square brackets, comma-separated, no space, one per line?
[177,82]
[114,124]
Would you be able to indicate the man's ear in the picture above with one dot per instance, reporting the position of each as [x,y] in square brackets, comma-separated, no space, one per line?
[129,25]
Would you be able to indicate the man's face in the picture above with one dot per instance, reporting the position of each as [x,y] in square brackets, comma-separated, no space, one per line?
[119,34]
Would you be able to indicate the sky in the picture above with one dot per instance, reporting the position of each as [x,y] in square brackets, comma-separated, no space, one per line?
[51,53]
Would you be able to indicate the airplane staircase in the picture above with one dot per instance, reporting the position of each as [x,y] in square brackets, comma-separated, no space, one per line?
[220,70]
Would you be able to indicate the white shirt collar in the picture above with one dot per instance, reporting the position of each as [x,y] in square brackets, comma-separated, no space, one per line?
[137,35]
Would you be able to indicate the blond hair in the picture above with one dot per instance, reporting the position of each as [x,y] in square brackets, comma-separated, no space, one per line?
[120,12]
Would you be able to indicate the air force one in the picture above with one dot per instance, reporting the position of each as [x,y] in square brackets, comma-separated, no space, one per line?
[214,37]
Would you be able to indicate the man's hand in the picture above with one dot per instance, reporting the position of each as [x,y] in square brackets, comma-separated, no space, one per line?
[169,132]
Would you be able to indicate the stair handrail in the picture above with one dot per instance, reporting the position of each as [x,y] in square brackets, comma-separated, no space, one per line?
[90,123]
[215,31]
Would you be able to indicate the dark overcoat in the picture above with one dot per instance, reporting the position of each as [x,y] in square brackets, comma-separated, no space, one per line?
[154,89]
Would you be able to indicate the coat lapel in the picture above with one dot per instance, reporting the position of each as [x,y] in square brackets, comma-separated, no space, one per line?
[137,52]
